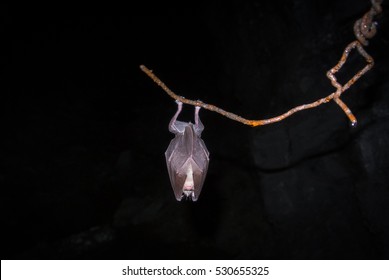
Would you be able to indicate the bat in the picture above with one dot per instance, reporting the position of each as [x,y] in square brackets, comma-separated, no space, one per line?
[187,157]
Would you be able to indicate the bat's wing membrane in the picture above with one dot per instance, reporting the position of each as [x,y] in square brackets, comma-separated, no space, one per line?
[200,167]
[175,158]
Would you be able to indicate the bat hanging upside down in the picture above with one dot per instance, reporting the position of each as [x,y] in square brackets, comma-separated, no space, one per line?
[187,157]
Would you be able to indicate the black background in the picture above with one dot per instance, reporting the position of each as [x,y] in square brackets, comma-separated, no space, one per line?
[84,132]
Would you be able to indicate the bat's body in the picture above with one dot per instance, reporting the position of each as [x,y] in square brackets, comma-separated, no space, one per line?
[187,157]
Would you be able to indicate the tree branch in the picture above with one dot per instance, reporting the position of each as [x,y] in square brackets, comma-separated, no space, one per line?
[364,29]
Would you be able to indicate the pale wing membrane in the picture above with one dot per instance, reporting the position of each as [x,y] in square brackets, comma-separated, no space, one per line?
[176,157]
[201,158]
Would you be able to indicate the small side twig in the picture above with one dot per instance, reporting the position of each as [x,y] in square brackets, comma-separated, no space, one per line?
[364,29]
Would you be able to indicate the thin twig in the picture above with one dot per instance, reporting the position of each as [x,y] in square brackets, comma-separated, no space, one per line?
[363,29]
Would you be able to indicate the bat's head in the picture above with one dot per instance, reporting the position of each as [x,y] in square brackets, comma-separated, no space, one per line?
[188,189]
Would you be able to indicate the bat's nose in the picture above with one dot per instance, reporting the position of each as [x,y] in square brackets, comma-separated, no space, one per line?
[188,187]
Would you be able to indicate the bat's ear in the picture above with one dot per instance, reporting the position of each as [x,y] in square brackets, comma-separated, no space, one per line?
[198,127]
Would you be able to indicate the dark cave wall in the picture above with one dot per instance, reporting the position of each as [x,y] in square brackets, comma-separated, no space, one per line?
[84,133]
